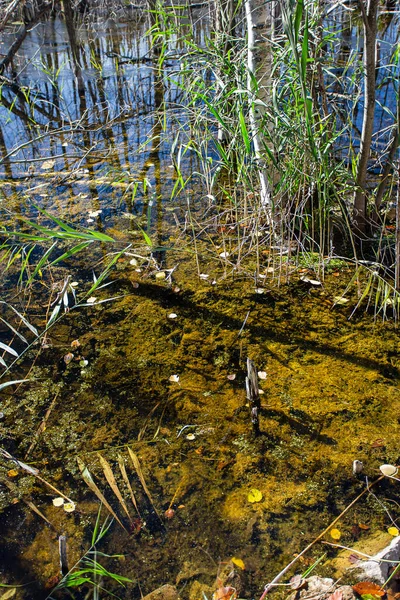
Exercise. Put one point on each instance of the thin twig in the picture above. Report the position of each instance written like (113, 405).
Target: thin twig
(270, 585)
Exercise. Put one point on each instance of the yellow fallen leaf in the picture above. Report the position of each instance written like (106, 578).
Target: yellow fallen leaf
(12, 473)
(238, 562)
(393, 531)
(335, 534)
(254, 495)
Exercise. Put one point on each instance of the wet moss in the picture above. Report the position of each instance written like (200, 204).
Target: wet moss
(330, 394)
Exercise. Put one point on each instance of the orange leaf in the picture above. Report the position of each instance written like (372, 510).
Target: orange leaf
(362, 526)
(367, 587)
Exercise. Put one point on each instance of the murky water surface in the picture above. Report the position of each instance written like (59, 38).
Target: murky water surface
(160, 369)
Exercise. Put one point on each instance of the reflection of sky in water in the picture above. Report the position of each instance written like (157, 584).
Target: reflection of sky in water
(103, 114)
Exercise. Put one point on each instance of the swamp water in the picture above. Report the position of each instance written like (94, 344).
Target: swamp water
(153, 371)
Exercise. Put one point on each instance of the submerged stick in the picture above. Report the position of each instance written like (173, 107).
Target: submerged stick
(253, 395)
(270, 585)
(62, 548)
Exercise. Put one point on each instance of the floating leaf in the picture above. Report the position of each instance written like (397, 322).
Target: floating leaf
(363, 526)
(254, 495)
(393, 531)
(224, 254)
(388, 470)
(69, 507)
(58, 501)
(364, 588)
(262, 374)
(174, 378)
(91, 300)
(161, 275)
(190, 437)
(238, 562)
(340, 300)
(75, 344)
(259, 290)
(47, 165)
(12, 473)
(335, 534)
(231, 377)
(172, 316)
(311, 281)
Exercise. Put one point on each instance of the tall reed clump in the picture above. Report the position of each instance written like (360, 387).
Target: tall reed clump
(308, 121)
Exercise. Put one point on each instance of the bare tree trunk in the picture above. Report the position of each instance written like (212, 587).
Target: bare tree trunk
(259, 70)
(369, 11)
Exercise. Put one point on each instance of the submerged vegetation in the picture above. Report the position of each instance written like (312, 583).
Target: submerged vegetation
(189, 191)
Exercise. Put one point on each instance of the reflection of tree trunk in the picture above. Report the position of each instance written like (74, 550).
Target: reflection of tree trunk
(70, 25)
(224, 24)
(45, 7)
(5, 159)
(369, 12)
(154, 159)
(8, 12)
(389, 160)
